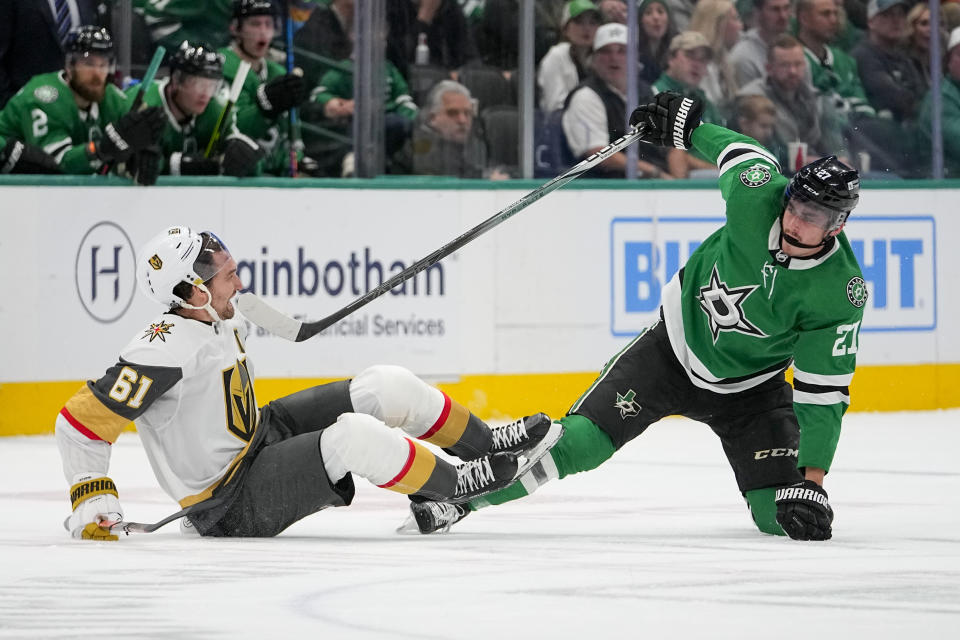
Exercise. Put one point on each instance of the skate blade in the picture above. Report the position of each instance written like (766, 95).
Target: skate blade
(534, 455)
(408, 526)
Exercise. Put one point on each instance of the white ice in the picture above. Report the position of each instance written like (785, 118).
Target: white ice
(656, 543)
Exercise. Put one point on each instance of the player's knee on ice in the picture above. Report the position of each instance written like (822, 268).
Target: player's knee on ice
(361, 444)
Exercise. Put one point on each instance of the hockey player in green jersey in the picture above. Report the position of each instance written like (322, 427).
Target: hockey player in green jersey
(268, 91)
(777, 285)
(76, 115)
(191, 100)
(17, 157)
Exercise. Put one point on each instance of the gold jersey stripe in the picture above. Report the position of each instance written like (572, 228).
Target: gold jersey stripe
(424, 462)
(87, 409)
(453, 427)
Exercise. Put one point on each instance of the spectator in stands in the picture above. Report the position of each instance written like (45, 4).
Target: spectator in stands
(328, 33)
(497, 36)
(448, 37)
(172, 21)
(833, 72)
(682, 13)
(799, 111)
(689, 55)
(916, 40)
(76, 115)
(749, 56)
(950, 96)
(613, 10)
(720, 24)
(565, 64)
(756, 116)
(656, 32)
(596, 111)
(268, 91)
(32, 37)
(445, 141)
(891, 81)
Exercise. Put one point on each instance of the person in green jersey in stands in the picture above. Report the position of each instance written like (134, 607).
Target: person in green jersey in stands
(268, 91)
(777, 285)
(76, 115)
(193, 100)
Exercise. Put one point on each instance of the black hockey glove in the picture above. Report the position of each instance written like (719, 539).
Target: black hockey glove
(804, 512)
(240, 157)
(669, 120)
(280, 94)
(145, 165)
(135, 130)
(195, 165)
(17, 157)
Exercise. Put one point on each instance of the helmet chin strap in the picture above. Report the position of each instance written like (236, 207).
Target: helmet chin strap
(204, 307)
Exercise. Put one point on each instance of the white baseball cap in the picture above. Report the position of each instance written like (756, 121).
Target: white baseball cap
(610, 33)
(954, 39)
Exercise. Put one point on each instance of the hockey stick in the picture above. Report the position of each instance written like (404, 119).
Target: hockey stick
(142, 527)
(235, 89)
(144, 85)
(278, 323)
(292, 138)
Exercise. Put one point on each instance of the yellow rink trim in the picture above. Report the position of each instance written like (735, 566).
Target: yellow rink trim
(28, 408)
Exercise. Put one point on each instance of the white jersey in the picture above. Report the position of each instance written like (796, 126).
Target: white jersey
(188, 387)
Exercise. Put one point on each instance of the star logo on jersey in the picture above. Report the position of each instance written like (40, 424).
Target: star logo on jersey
(857, 291)
(724, 307)
(46, 94)
(158, 330)
(755, 176)
(627, 405)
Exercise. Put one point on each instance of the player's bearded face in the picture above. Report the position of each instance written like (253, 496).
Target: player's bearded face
(224, 286)
(88, 77)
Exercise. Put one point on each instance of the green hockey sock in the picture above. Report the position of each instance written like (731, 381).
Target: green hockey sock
(763, 508)
(582, 447)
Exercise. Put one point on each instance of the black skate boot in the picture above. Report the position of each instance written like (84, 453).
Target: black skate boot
(433, 517)
(480, 477)
(531, 438)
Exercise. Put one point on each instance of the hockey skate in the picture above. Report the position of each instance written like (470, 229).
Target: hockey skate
(433, 517)
(531, 438)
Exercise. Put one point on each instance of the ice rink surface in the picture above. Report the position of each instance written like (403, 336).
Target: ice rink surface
(656, 543)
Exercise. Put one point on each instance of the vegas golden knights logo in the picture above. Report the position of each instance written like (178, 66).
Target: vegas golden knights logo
(155, 262)
(241, 405)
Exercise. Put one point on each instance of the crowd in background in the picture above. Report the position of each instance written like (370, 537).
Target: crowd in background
(805, 78)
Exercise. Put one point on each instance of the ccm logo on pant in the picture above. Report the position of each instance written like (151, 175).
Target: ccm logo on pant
(774, 453)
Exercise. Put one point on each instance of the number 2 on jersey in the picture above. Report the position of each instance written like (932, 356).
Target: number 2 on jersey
(845, 331)
(124, 386)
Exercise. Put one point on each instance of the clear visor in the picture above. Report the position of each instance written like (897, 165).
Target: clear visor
(201, 84)
(816, 214)
(208, 264)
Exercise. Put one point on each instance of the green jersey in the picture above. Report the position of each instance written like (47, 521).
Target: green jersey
(173, 21)
(666, 83)
(44, 113)
(837, 76)
(184, 138)
(337, 83)
(741, 311)
(250, 119)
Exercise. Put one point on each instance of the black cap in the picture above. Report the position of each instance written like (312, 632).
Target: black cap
(247, 8)
(828, 183)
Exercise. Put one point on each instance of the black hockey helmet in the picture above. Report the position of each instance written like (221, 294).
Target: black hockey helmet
(830, 186)
(197, 59)
(247, 8)
(84, 40)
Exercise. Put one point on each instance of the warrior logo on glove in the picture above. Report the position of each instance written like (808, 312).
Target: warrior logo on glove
(669, 120)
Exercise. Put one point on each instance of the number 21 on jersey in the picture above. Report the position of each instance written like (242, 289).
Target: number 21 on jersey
(848, 339)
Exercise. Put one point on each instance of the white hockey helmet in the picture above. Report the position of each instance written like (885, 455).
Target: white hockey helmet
(177, 254)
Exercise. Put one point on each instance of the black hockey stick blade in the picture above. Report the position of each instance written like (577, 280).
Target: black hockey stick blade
(280, 324)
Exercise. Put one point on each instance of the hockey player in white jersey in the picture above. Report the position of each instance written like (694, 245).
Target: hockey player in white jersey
(186, 381)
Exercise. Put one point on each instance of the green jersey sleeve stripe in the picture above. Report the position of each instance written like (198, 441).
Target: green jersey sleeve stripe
(58, 148)
(841, 380)
(833, 397)
(737, 152)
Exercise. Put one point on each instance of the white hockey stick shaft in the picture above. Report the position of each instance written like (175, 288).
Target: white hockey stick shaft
(280, 324)
(235, 89)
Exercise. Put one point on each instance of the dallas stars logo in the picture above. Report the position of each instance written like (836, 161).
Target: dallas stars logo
(755, 176)
(627, 405)
(158, 330)
(724, 307)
